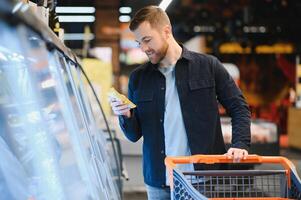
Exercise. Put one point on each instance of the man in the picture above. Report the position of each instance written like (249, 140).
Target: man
(176, 95)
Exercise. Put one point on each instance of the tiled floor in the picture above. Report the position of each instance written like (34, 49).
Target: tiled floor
(135, 196)
(293, 155)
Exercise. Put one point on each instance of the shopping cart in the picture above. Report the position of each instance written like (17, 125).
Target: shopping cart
(233, 184)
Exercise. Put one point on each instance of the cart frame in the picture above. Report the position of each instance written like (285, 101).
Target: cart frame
(290, 185)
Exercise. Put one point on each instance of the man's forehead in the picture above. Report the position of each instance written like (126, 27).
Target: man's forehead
(143, 32)
(143, 28)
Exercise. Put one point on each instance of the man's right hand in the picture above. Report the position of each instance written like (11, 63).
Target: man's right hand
(120, 108)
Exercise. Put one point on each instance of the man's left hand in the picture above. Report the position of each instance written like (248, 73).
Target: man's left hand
(237, 154)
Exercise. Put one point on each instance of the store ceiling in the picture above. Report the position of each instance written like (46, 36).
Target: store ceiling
(249, 22)
(244, 21)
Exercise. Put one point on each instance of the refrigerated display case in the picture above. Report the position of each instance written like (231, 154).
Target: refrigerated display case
(53, 143)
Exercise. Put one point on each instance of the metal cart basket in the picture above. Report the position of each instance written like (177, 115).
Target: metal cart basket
(233, 184)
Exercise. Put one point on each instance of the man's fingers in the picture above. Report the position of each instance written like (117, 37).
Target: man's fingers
(230, 153)
(116, 104)
(245, 154)
(123, 112)
(237, 154)
(112, 98)
(120, 107)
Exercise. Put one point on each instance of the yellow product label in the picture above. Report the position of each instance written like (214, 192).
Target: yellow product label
(114, 94)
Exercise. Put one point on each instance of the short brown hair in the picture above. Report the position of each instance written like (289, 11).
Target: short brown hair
(152, 14)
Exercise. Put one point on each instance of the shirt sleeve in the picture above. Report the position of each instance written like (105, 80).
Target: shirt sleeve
(131, 126)
(230, 96)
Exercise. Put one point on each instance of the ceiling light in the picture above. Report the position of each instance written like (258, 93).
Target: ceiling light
(197, 29)
(262, 29)
(164, 4)
(77, 18)
(124, 18)
(75, 10)
(125, 10)
(254, 29)
(204, 29)
(78, 36)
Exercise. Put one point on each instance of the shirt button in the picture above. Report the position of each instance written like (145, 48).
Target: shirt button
(162, 152)
(162, 88)
(161, 120)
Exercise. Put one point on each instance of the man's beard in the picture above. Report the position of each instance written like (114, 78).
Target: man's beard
(160, 54)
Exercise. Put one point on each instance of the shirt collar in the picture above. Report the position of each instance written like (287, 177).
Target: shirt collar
(185, 53)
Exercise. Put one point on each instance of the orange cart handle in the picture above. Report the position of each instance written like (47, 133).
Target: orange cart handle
(171, 162)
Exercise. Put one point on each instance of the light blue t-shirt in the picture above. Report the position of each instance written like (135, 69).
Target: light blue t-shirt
(176, 142)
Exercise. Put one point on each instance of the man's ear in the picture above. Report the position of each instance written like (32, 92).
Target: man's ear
(167, 30)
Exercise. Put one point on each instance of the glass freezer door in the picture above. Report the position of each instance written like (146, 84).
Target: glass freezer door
(46, 141)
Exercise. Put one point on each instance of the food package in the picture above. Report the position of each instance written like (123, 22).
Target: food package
(114, 94)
